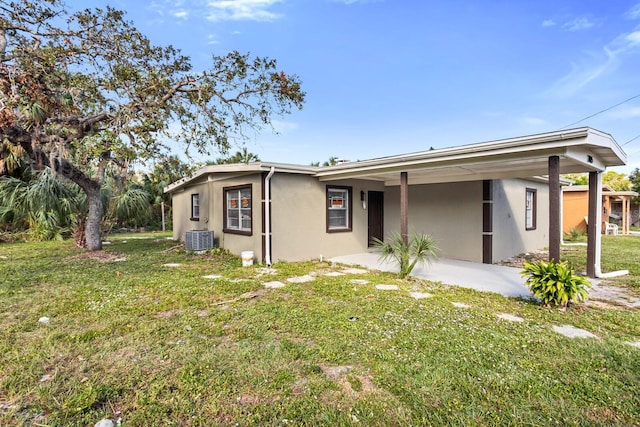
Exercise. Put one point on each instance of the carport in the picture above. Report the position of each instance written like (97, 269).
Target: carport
(544, 156)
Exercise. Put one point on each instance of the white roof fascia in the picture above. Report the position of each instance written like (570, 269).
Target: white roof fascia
(238, 169)
(552, 142)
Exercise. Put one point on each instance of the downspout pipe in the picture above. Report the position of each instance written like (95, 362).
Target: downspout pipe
(267, 216)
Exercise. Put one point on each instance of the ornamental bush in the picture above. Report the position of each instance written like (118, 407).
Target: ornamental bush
(422, 248)
(555, 282)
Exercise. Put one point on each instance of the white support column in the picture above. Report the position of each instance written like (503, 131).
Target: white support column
(594, 227)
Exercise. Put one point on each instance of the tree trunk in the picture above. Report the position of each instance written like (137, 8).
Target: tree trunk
(94, 217)
(91, 187)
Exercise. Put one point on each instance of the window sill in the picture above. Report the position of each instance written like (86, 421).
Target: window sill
(339, 230)
(240, 232)
(194, 219)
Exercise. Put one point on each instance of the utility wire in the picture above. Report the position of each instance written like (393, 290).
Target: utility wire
(632, 139)
(603, 111)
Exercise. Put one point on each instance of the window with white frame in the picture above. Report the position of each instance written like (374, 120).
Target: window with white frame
(338, 209)
(238, 210)
(195, 207)
(530, 209)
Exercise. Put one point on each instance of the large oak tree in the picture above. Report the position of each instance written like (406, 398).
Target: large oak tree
(81, 90)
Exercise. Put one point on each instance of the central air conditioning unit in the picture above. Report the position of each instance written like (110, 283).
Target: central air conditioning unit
(198, 240)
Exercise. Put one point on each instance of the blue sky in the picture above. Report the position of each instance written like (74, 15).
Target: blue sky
(386, 77)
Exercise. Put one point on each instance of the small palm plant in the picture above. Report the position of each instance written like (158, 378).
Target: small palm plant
(422, 248)
(554, 282)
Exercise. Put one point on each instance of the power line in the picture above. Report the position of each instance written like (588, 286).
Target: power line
(632, 139)
(603, 111)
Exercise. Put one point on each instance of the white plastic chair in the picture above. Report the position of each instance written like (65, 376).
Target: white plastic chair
(610, 228)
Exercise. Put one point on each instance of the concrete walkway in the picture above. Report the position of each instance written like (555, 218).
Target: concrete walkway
(482, 277)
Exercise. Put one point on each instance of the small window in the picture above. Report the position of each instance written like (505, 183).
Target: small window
(238, 212)
(530, 209)
(195, 207)
(338, 209)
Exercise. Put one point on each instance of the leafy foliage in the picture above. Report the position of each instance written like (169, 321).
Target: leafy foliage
(422, 248)
(48, 206)
(616, 180)
(38, 202)
(85, 90)
(634, 178)
(243, 156)
(555, 282)
(578, 178)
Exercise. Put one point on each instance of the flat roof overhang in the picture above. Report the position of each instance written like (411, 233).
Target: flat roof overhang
(230, 171)
(580, 150)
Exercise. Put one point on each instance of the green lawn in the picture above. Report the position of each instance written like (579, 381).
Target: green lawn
(130, 338)
(618, 253)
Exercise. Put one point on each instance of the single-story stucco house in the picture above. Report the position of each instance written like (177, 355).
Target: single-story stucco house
(482, 202)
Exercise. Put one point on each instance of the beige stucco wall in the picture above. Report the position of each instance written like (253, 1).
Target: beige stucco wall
(237, 243)
(298, 217)
(451, 213)
(298, 211)
(212, 213)
(181, 208)
(509, 234)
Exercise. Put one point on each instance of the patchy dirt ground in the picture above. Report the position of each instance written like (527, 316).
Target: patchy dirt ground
(100, 256)
(604, 294)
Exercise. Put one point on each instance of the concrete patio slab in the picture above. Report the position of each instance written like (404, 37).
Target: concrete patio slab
(482, 277)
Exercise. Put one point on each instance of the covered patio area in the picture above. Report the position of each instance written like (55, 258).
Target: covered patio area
(543, 157)
(481, 277)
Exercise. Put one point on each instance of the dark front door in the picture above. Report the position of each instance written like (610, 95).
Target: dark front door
(376, 215)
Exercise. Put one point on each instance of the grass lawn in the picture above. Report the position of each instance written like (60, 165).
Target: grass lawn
(131, 338)
(618, 253)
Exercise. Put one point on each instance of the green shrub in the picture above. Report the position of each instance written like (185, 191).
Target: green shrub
(555, 282)
(574, 235)
(422, 248)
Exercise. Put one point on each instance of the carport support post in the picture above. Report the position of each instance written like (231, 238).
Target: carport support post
(554, 208)
(404, 207)
(594, 217)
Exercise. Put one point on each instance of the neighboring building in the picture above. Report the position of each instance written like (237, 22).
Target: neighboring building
(616, 209)
(482, 202)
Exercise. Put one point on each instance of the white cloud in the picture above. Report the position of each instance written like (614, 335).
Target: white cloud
(578, 24)
(180, 13)
(532, 121)
(212, 39)
(548, 23)
(351, 1)
(627, 112)
(634, 12)
(581, 75)
(241, 10)
(597, 65)
(284, 127)
(624, 43)
(633, 38)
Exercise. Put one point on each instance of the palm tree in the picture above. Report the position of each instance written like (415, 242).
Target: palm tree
(48, 207)
(243, 156)
(41, 203)
(422, 248)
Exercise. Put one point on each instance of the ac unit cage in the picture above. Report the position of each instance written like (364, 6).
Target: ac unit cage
(200, 240)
